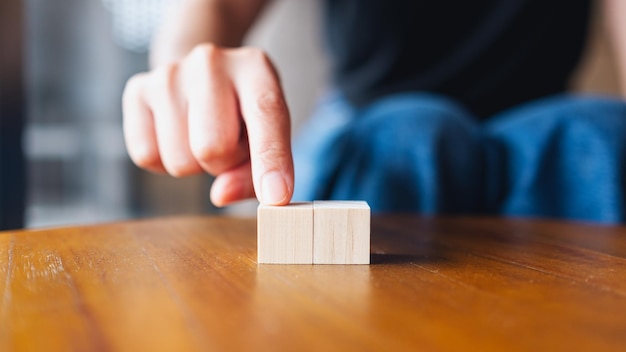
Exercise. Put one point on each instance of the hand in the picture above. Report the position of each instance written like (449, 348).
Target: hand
(216, 110)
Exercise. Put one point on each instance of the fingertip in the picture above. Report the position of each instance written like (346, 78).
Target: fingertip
(275, 190)
(232, 186)
(221, 191)
(217, 196)
(226, 192)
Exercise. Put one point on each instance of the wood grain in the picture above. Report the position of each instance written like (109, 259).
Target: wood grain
(341, 232)
(285, 234)
(193, 284)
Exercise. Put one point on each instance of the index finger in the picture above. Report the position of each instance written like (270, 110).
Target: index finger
(266, 117)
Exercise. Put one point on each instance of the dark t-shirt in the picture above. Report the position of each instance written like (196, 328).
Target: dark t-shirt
(487, 54)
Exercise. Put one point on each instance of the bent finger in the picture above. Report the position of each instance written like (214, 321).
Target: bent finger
(215, 126)
(138, 125)
(170, 120)
(232, 186)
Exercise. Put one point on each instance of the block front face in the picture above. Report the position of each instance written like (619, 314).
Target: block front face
(285, 234)
(341, 232)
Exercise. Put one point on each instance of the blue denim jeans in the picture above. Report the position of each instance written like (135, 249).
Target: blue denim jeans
(561, 157)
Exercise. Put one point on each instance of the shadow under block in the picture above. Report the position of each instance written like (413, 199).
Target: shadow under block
(322, 232)
(341, 232)
(285, 234)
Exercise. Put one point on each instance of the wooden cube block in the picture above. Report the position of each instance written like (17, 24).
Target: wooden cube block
(341, 232)
(285, 234)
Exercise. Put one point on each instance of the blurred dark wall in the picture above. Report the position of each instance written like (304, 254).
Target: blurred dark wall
(77, 166)
(76, 68)
(12, 112)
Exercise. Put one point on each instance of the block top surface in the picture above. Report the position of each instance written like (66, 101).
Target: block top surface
(342, 204)
(296, 205)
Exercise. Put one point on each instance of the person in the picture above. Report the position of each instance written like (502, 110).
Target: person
(436, 107)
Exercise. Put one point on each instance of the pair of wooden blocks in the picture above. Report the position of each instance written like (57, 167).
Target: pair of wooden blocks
(320, 232)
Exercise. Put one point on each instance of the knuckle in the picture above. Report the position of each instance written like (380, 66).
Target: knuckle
(214, 150)
(205, 51)
(270, 103)
(180, 168)
(272, 152)
(217, 156)
(145, 158)
(200, 67)
(208, 151)
(204, 48)
(177, 171)
(253, 53)
(133, 87)
(164, 79)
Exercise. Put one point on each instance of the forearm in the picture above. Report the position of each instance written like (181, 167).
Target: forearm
(615, 17)
(192, 22)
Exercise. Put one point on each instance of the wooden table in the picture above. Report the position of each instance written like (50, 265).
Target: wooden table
(192, 283)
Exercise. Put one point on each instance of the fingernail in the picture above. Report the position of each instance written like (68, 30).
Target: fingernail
(273, 188)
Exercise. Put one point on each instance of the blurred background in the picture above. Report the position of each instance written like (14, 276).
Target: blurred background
(77, 56)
